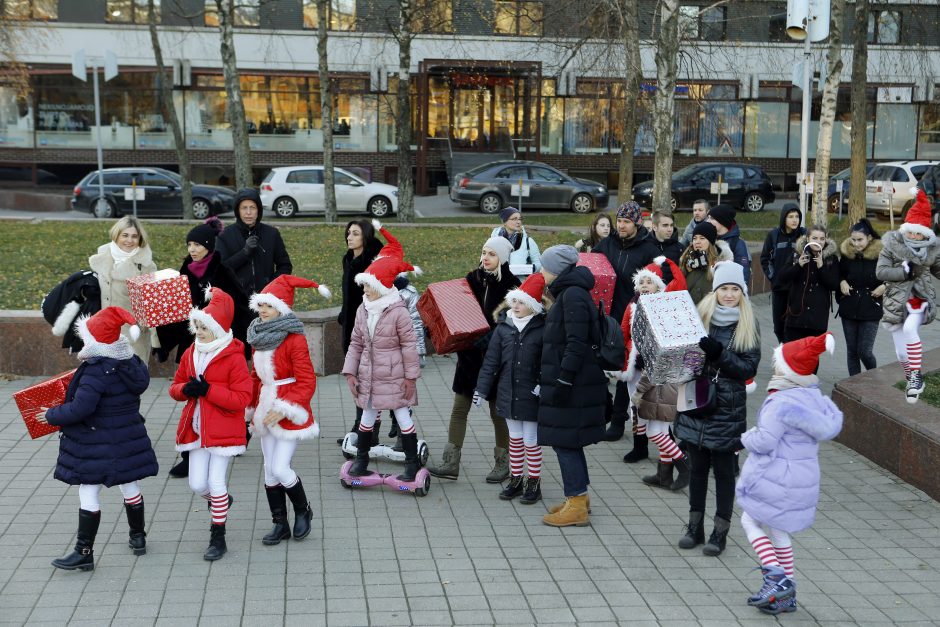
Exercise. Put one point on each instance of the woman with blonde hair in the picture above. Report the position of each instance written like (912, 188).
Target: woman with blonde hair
(732, 352)
(126, 256)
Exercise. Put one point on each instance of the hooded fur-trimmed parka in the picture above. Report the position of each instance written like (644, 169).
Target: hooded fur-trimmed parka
(858, 270)
(810, 288)
(901, 286)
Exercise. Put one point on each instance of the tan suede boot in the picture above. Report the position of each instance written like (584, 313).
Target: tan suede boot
(554, 509)
(574, 513)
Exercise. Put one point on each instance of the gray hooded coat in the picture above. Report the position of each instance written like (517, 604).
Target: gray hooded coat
(901, 286)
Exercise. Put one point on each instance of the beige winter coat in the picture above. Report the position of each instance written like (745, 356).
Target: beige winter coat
(113, 283)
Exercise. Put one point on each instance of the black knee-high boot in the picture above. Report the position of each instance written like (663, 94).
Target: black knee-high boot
(277, 501)
(82, 558)
(137, 538)
(302, 511)
(360, 465)
(409, 442)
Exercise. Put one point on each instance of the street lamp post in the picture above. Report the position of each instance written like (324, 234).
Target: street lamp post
(80, 71)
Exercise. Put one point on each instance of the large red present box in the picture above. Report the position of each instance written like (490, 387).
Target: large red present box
(604, 278)
(31, 400)
(452, 315)
(160, 298)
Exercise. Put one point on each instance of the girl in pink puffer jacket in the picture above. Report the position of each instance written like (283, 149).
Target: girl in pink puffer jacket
(382, 365)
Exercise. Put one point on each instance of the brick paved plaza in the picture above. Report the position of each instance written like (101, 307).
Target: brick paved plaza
(459, 555)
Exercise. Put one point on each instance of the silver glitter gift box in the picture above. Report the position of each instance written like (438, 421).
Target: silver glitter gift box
(666, 331)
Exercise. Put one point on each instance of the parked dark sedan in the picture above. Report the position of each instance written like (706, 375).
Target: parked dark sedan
(159, 194)
(749, 187)
(494, 185)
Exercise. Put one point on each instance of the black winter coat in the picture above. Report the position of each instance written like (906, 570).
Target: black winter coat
(352, 293)
(269, 261)
(627, 256)
(810, 288)
(490, 293)
(571, 416)
(858, 269)
(718, 431)
(513, 361)
(103, 439)
(779, 247)
(81, 288)
(217, 275)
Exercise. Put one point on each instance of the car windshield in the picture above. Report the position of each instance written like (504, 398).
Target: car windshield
(686, 171)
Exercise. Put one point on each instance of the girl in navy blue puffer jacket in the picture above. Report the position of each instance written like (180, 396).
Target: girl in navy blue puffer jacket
(103, 439)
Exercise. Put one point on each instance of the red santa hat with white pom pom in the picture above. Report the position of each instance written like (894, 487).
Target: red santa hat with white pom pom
(919, 216)
(388, 264)
(217, 315)
(105, 326)
(801, 357)
(279, 293)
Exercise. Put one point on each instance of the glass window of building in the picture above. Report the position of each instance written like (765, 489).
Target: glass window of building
(518, 17)
(245, 14)
(842, 123)
(16, 119)
(705, 24)
(777, 28)
(895, 131)
(688, 22)
(31, 9)
(884, 27)
(929, 132)
(341, 14)
(433, 16)
(131, 11)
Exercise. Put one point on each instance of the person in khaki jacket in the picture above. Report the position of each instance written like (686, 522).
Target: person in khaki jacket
(126, 256)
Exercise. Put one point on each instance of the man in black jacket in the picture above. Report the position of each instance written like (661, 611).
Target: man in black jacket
(778, 252)
(253, 251)
(629, 249)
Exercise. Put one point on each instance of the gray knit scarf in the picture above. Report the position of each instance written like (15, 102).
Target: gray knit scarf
(725, 316)
(265, 336)
(121, 349)
(918, 248)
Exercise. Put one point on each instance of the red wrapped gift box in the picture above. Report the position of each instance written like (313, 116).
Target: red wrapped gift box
(604, 277)
(31, 400)
(160, 298)
(452, 315)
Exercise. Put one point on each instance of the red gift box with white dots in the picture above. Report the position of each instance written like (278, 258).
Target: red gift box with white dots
(160, 298)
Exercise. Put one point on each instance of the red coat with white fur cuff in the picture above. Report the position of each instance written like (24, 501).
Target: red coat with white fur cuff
(221, 411)
(274, 390)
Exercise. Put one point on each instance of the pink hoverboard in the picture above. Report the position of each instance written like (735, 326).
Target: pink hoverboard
(419, 486)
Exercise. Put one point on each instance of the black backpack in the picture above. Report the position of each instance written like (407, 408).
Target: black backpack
(609, 347)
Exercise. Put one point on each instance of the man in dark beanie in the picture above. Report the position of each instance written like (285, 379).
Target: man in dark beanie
(722, 217)
(253, 251)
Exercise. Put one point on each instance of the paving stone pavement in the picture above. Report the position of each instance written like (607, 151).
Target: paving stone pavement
(458, 555)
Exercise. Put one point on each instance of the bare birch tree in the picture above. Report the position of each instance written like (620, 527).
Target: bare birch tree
(326, 111)
(169, 113)
(403, 131)
(628, 12)
(859, 133)
(664, 103)
(235, 109)
(827, 115)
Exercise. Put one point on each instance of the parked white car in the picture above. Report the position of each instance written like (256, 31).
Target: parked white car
(299, 189)
(892, 182)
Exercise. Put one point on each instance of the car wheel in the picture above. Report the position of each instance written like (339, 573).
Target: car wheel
(285, 207)
(673, 203)
(379, 207)
(582, 203)
(833, 204)
(201, 208)
(754, 202)
(491, 203)
(103, 208)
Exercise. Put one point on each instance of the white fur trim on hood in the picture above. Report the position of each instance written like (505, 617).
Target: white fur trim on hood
(65, 318)
(364, 278)
(525, 299)
(269, 299)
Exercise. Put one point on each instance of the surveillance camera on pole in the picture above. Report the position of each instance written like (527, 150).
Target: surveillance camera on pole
(807, 21)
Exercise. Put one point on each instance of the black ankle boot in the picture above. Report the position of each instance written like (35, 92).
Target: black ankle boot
(409, 442)
(515, 488)
(82, 558)
(694, 531)
(685, 473)
(217, 547)
(137, 538)
(640, 449)
(302, 512)
(277, 501)
(533, 491)
(718, 539)
(360, 465)
(181, 469)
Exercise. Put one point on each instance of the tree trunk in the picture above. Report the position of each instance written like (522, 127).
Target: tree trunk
(403, 130)
(667, 49)
(326, 113)
(235, 109)
(828, 114)
(859, 112)
(630, 32)
(169, 114)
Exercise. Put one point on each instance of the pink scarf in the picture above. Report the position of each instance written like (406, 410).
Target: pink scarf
(198, 268)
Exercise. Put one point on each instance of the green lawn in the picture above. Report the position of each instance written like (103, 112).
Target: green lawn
(931, 395)
(37, 256)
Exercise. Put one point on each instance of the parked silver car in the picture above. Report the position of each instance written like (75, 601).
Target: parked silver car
(495, 185)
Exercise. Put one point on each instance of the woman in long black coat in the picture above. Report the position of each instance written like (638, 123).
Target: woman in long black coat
(859, 295)
(810, 278)
(103, 439)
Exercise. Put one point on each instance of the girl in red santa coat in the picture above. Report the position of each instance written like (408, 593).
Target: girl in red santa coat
(382, 364)
(213, 379)
(284, 383)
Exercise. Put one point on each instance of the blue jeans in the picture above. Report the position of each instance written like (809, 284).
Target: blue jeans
(574, 470)
(860, 344)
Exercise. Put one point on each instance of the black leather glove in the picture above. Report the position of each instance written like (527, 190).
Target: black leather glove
(195, 388)
(711, 347)
(251, 245)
